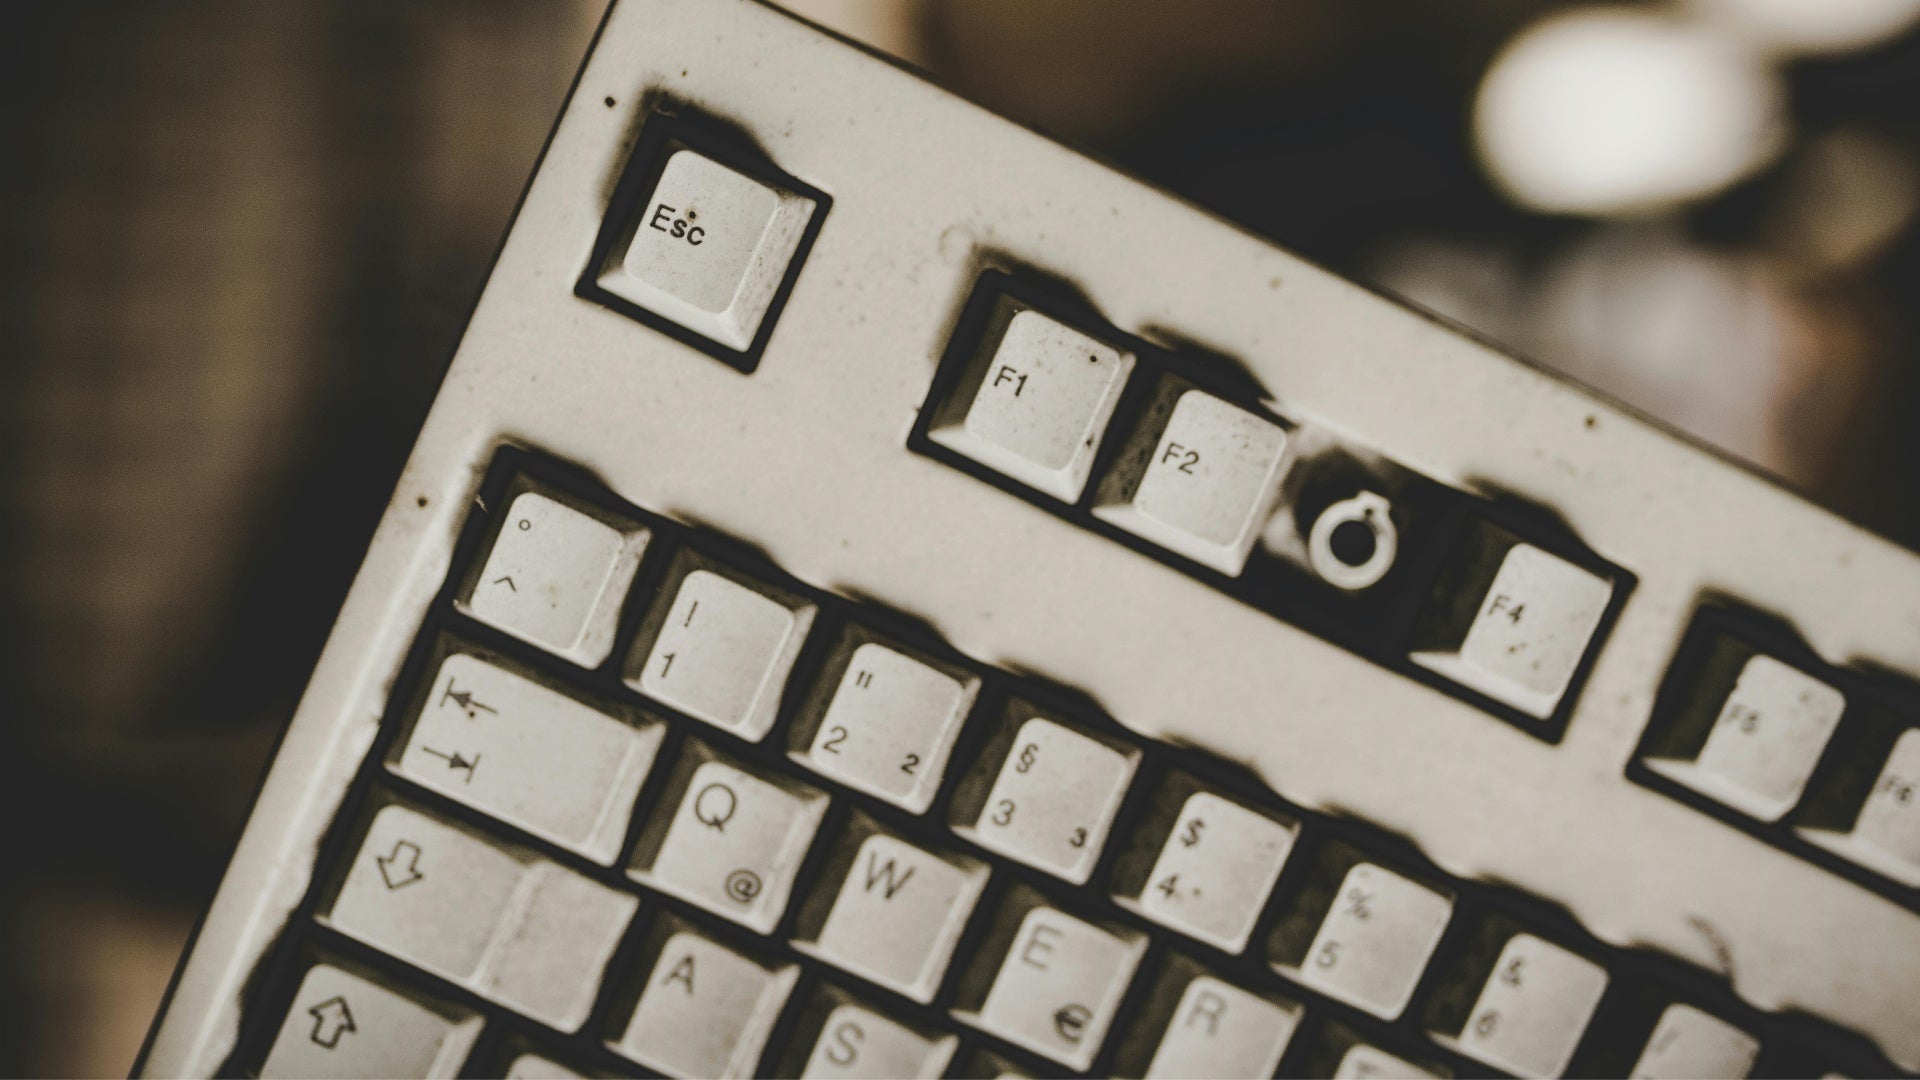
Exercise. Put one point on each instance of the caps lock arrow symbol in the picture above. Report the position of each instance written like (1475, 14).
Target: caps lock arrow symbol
(331, 1019)
(390, 871)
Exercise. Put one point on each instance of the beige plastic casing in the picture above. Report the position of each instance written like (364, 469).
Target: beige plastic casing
(807, 458)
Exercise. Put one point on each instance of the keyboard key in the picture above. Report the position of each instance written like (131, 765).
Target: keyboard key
(710, 248)
(1366, 1062)
(1690, 1043)
(1196, 1025)
(1333, 1049)
(556, 576)
(536, 1067)
(721, 650)
(1054, 796)
(1371, 936)
(1034, 403)
(346, 1025)
(1056, 980)
(857, 1042)
(532, 756)
(705, 1010)
(1512, 621)
(891, 912)
(728, 839)
(1214, 865)
(1200, 478)
(1767, 734)
(1533, 1006)
(1884, 834)
(506, 924)
(883, 720)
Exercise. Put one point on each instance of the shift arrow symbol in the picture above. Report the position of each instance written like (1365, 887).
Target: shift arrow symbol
(392, 872)
(331, 1019)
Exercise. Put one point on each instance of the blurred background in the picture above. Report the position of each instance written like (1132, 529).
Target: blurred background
(241, 240)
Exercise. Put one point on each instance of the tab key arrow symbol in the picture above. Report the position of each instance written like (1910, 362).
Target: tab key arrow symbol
(392, 872)
(331, 1019)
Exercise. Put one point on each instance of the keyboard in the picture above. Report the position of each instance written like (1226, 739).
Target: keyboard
(881, 594)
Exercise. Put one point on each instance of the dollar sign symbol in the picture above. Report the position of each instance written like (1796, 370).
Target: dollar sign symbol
(1192, 835)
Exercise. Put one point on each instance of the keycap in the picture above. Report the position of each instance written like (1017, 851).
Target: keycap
(1200, 478)
(536, 1067)
(504, 923)
(1034, 404)
(1214, 1028)
(1057, 980)
(1885, 832)
(710, 248)
(1765, 740)
(1213, 870)
(1531, 1010)
(342, 1024)
(1330, 1048)
(556, 576)
(728, 839)
(1518, 635)
(1690, 1043)
(530, 755)
(1363, 1061)
(886, 722)
(705, 1010)
(1053, 799)
(890, 911)
(1371, 936)
(721, 649)
(855, 1042)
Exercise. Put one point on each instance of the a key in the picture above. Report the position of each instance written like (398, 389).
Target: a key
(886, 723)
(855, 1042)
(709, 248)
(1330, 1048)
(721, 649)
(1532, 1008)
(504, 923)
(1364, 1061)
(343, 1024)
(728, 839)
(1766, 736)
(1213, 1028)
(1214, 863)
(1512, 621)
(556, 576)
(1053, 799)
(1035, 402)
(1200, 478)
(536, 1067)
(1371, 935)
(705, 1010)
(1689, 1043)
(1884, 833)
(1056, 980)
(891, 912)
(503, 743)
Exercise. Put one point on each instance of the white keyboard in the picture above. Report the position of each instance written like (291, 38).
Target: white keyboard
(880, 594)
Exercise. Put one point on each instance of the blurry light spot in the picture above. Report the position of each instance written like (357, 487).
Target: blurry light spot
(1605, 111)
(1848, 195)
(1814, 26)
